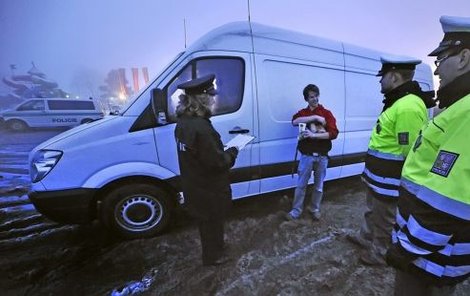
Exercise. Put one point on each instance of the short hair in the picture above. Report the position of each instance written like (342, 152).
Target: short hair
(310, 88)
(194, 105)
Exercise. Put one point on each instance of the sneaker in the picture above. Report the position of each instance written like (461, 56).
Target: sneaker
(289, 217)
(372, 259)
(357, 239)
(316, 216)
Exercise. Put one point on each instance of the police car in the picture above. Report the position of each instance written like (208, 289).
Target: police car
(50, 112)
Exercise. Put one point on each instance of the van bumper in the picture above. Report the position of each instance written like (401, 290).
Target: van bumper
(65, 206)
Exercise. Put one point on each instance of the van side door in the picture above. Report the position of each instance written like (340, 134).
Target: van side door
(281, 81)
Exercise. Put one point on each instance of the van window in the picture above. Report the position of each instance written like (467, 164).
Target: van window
(34, 105)
(230, 75)
(70, 105)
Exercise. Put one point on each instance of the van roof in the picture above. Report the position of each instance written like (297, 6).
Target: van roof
(236, 36)
(268, 40)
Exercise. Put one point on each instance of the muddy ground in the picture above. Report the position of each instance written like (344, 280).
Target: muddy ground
(271, 256)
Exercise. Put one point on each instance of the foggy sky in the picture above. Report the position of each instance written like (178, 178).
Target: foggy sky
(76, 42)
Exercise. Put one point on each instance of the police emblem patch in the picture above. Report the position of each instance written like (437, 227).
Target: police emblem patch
(444, 162)
(403, 138)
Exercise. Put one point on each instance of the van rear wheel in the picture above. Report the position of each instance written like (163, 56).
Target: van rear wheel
(17, 125)
(136, 210)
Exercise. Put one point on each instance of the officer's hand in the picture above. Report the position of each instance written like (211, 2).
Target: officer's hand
(233, 151)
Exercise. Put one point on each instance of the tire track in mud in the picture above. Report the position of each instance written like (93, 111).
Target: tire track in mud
(20, 223)
(247, 279)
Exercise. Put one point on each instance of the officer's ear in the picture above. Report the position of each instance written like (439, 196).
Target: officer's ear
(464, 60)
(397, 77)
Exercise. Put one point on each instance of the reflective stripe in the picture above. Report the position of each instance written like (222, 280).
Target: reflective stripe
(384, 180)
(438, 201)
(457, 249)
(384, 155)
(409, 246)
(400, 220)
(438, 270)
(394, 236)
(388, 192)
(412, 187)
(429, 266)
(447, 250)
(425, 235)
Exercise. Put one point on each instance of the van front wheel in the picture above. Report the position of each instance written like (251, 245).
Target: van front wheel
(136, 210)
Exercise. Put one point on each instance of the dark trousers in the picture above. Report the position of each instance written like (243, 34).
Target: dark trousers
(212, 239)
(407, 284)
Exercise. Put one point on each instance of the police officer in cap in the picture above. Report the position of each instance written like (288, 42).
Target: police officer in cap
(431, 237)
(404, 113)
(204, 166)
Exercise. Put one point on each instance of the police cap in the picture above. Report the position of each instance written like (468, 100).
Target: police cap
(456, 33)
(204, 84)
(391, 62)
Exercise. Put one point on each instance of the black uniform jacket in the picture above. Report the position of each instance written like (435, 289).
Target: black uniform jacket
(204, 167)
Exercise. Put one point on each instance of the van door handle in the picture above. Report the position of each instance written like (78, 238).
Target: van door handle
(239, 130)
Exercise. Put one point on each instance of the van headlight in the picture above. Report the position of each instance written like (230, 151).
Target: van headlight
(43, 162)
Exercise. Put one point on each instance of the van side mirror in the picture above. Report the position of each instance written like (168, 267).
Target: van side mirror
(158, 106)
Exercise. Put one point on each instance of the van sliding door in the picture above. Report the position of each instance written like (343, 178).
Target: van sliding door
(280, 85)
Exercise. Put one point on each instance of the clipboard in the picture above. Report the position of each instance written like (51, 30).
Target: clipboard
(239, 141)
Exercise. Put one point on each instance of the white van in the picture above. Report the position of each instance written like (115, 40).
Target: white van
(123, 170)
(50, 112)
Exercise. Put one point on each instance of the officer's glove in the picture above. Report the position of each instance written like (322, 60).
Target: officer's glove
(233, 151)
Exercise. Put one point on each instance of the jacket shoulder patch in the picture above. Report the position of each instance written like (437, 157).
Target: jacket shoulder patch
(444, 162)
(403, 138)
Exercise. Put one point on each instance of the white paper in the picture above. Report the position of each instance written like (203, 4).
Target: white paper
(239, 141)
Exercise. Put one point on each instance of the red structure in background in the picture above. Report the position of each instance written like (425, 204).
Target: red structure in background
(135, 77)
(145, 73)
(122, 81)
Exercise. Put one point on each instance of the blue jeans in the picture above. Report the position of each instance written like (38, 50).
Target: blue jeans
(307, 164)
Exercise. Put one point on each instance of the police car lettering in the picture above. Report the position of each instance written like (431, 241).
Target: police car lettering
(64, 120)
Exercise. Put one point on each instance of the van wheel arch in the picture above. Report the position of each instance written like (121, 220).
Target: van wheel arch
(86, 120)
(136, 209)
(16, 125)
